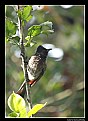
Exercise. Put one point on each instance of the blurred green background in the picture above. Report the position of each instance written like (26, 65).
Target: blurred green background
(62, 85)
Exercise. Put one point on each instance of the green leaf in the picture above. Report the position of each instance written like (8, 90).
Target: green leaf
(28, 18)
(35, 109)
(15, 38)
(23, 113)
(10, 28)
(13, 114)
(39, 29)
(26, 12)
(47, 32)
(16, 103)
(27, 44)
(34, 30)
(47, 23)
(30, 42)
(27, 38)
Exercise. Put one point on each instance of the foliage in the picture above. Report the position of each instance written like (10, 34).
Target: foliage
(17, 104)
(10, 28)
(36, 30)
(25, 15)
(62, 85)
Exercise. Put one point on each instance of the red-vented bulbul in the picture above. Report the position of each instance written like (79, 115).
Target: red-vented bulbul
(35, 68)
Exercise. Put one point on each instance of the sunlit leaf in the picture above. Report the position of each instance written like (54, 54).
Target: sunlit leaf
(35, 109)
(13, 114)
(30, 44)
(23, 113)
(47, 23)
(16, 103)
(27, 44)
(34, 30)
(10, 28)
(27, 38)
(39, 29)
(26, 12)
(28, 18)
(47, 32)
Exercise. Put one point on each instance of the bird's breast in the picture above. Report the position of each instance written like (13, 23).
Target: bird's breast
(35, 66)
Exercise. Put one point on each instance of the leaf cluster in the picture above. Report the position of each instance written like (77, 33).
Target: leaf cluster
(25, 15)
(18, 106)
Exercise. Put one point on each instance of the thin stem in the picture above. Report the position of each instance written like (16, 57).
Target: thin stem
(28, 96)
(16, 44)
(24, 61)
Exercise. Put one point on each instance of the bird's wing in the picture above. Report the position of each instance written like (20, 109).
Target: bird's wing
(41, 74)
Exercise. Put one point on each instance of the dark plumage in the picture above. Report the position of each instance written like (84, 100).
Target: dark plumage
(35, 68)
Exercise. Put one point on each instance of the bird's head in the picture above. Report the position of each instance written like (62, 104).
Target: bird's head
(42, 51)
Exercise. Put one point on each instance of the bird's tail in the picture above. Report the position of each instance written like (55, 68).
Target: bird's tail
(22, 89)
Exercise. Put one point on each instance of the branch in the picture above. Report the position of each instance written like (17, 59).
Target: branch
(24, 60)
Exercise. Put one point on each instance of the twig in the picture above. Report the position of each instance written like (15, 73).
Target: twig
(24, 61)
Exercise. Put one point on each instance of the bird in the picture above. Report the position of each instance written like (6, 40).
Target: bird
(35, 68)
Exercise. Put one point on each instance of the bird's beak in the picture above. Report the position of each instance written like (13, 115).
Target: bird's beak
(49, 50)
